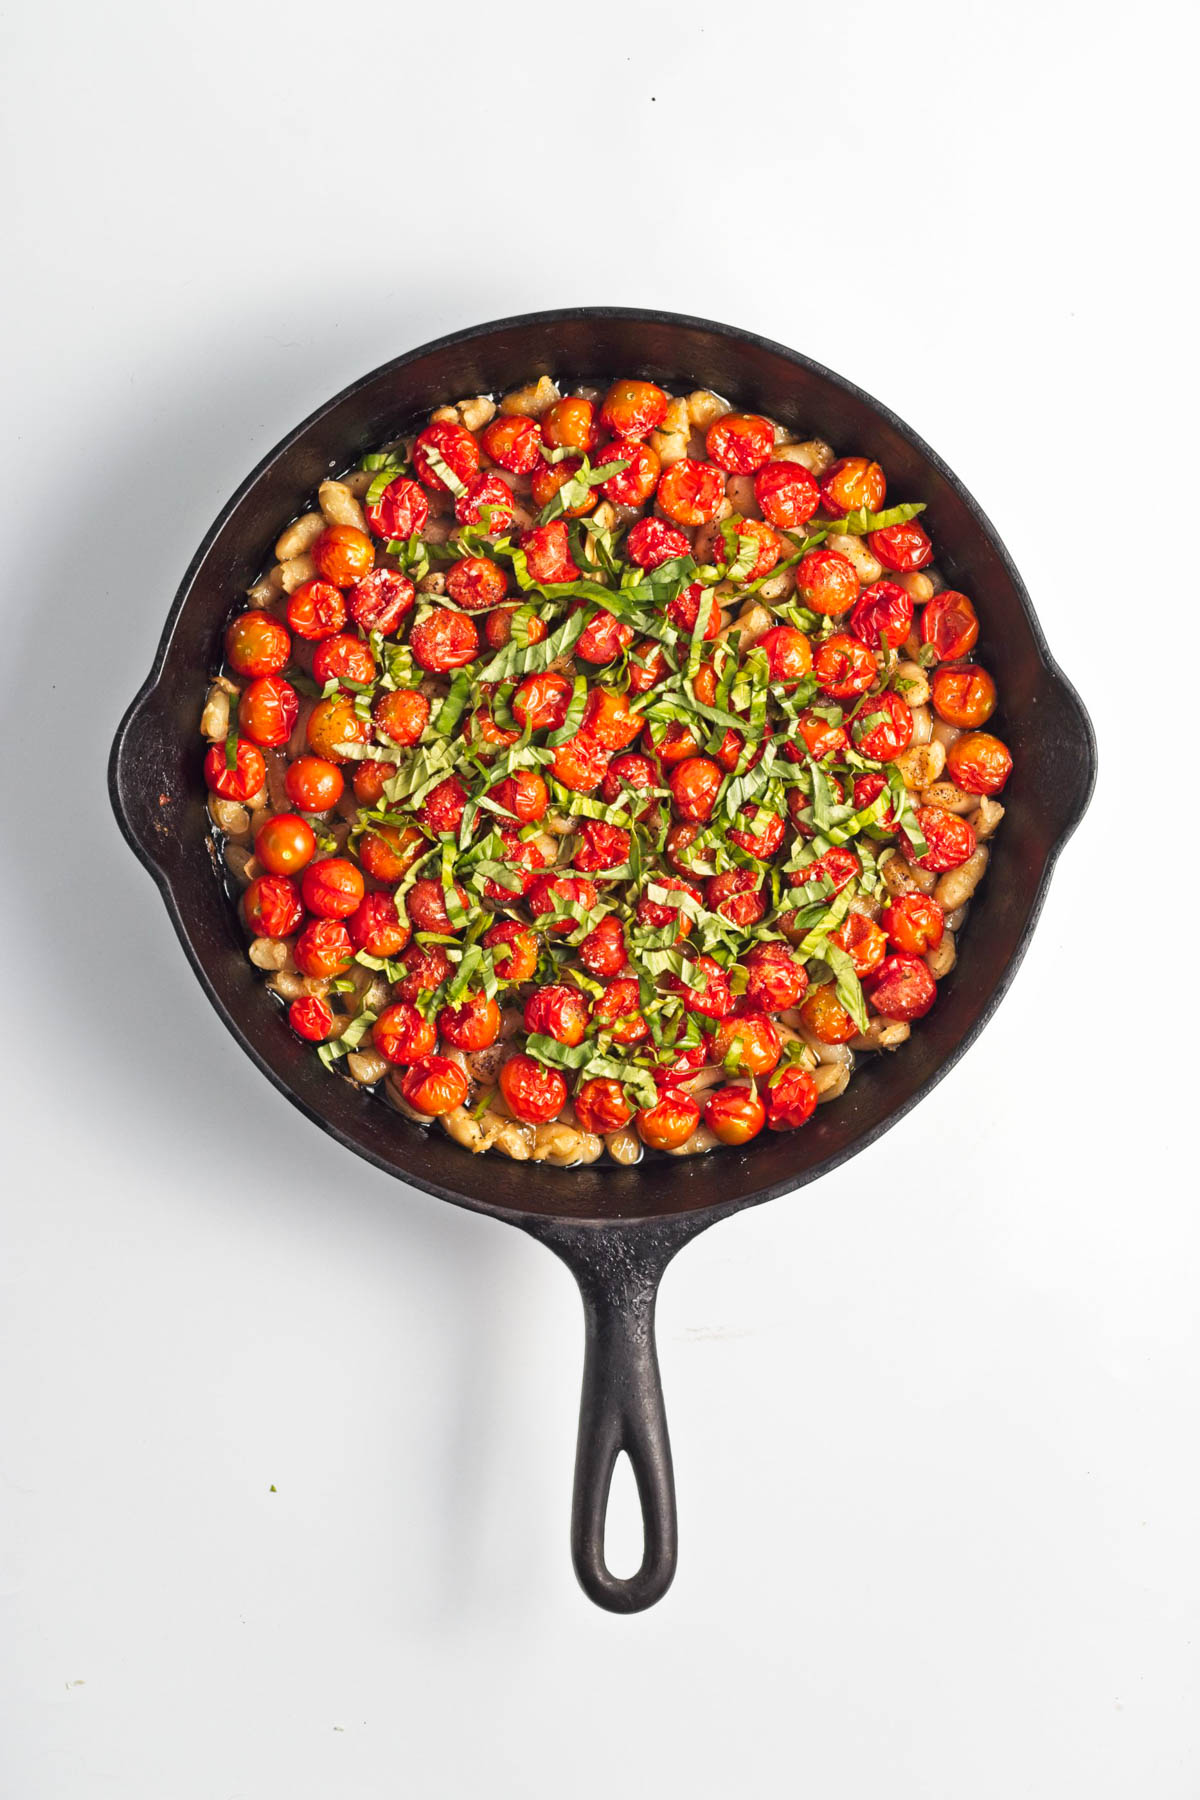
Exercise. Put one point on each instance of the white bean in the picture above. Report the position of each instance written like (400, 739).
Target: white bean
(944, 733)
(922, 724)
(814, 455)
(948, 797)
(942, 958)
(868, 568)
(295, 571)
(881, 1034)
(366, 1067)
(915, 691)
(957, 886)
(832, 1079)
(624, 1146)
(918, 585)
(214, 720)
(739, 491)
(532, 400)
(268, 590)
(268, 953)
(704, 407)
(229, 816)
(564, 1145)
(921, 766)
(702, 1139)
(299, 536)
(986, 819)
(339, 506)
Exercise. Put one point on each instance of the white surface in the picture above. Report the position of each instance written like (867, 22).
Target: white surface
(934, 1420)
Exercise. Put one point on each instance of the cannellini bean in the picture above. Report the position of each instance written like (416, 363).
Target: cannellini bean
(752, 623)
(287, 984)
(366, 1067)
(391, 1088)
(564, 1145)
(299, 536)
(670, 446)
(358, 481)
(824, 1053)
(921, 766)
(267, 953)
(444, 415)
(474, 1134)
(868, 568)
(832, 1079)
(947, 796)
(900, 877)
(777, 587)
(959, 884)
(624, 1146)
(814, 455)
(942, 958)
(702, 1139)
(944, 733)
(484, 1065)
(433, 583)
(711, 1076)
(229, 816)
(237, 856)
(703, 407)
(258, 800)
(268, 590)
(881, 1034)
(739, 491)
(214, 720)
(954, 920)
(922, 724)
(986, 819)
(917, 583)
(558, 824)
(296, 571)
(476, 413)
(605, 515)
(532, 400)
(339, 506)
(915, 692)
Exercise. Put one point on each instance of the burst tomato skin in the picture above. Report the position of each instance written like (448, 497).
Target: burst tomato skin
(403, 1035)
(735, 1114)
(670, 1121)
(767, 836)
(388, 852)
(316, 610)
(455, 446)
(740, 443)
(660, 914)
(514, 443)
(633, 409)
(434, 1086)
(257, 643)
(963, 696)
(904, 548)
(854, 482)
(240, 782)
(843, 666)
(524, 859)
(950, 623)
(541, 701)
(343, 555)
(618, 1010)
(323, 950)
(401, 511)
(684, 610)
(603, 951)
(677, 743)
(548, 553)
(652, 542)
(343, 658)
(863, 942)
(787, 494)
(884, 728)
(268, 710)
(788, 652)
(376, 928)
(902, 987)
(486, 491)
(580, 763)
(607, 718)
(690, 492)
(547, 893)
(285, 845)
(332, 726)
(746, 1045)
(514, 950)
(776, 981)
(821, 738)
(401, 715)
(497, 628)
(443, 640)
(883, 615)
(311, 1019)
(979, 762)
(601, 846)
(707, 991)
(473, 1024)
(867, 788)
(313, 784)
(425, 967)
(571, 421)
(951, 839)
(427, 908)
(632, 771)
(532, 1091)
(792, 1101)
(558, 1011)
(332, 887)
(381, 601)
(695, 783)
(838, 866)
(550, 478)
(633, 485)
(523, 795)
(647, 666)
(914, 923)
(826, 1018)
(271, 906)
(826, 582)
(442, 809)
(603, 638)
(601, 1106)
(737, 895)
(476, 583)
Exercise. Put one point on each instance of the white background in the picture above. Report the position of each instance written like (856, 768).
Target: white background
(935, 1418)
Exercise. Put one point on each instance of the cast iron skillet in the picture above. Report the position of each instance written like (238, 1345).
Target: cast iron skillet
(615, 1228)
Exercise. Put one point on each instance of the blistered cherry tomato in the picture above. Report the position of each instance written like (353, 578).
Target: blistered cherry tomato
(854, 483)
(388, 852)
(826, 582)
(427, 908)
(867, 788)
(788, 652)
(963, 696)
(532, 1091)
(735, 1114)
(403, 1035)
(313, 784)
(488, 503)
(690, 492)
(343, 658)
(332, 887)
(271, 906)
(679, 1061)
(476, 583)
(555, 892)
(652, 542)
(434, 1086)
(523, 795)
(883, 729)
(624, 772)
(267, 711)
(634, 484)
(768, 548)
(425, 967)
(662, 913)
(684, 610)
(514, 950)
(333, 726)
(401, 715)
(904, 548)
(471, 1024)
(800, 808)
(862, 941)
(670, 1121)
(677, 742)
(579, 764)
(570, 421)
(838, 866)
(548, 553)
(705, 990)
(902, 987)
(951, 839)
(824, 1017)
(380, 601)
(368, 777)
(343, 554)
(844, 666)
(601, 1106)
(541, 701)
(453, 445)
(311, 1019)
(522, 858)
(775, 980)
(558, 1011)
(603, 951)
(600, 846)
(401, 511)
(244, 779)
(914, 922)
(376, 928)
(791, 1099)
(285, 845)
(607, 718)
(883, 615)
(822, 738)
(316, 610)
(740, 443)
(787, 494)
(979, 762)
(323, 950)
(618, 1011)
(695, 784)
(633, 408)
(513, 442)
(443, 640)
(737, 895)
(766, 836)
(550, 478)
(746, 1045)
(603, 638)
(949, 622)
(256, 643)
(498, 627)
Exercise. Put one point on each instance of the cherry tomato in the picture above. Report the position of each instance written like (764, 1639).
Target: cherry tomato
(579, 764)
(426, 903)
(376, 928)
(844, 666)
(979, 762)
(571, 421)
(737, 895)
(950, 624)
(443, 640)
(484, 733)
(603, 951)
(553, 893)
(240, 782)
(267, 711)
(343, 658)
(735, 1114)
(524, 859)
(963, 696)
(661, 913)
(837, 867)
(853, 483)
(541, 701)
(766, 837)
(513, 442)
(311, 1019)
(607, 718)
(425, 967)
(453, 445)
(677, 742)
(434, 1086)
(746, 1045)
(706, 990)
(684, 610)
(690, 492)
(904, 548)
(472, 1024)
(633, 485)
(868, 788)
(313, 784)
(401, 715)
(497, 627)
(788, 652)
(826, 582)
(822, 738)
(884, 615)
(514, 950)
(476, 583)
(632, 409)
(316, 610)
(902, 987)
(401, 511)
(695, 783)
(332, 887)
(824, 1017)
(403, 1035)
(799, 805)
(951, 840)
(388, 852)
(883, 729)
(624, 772)
(862, 941)
(792, 1100)
(769, 549)
(380, 601)
(532, 1091)
(523, 796)
(775, 980)
(256, 643)
(740, 443)
(618, 1011)
(550, 478)
(914, 923)
(548, 556)
(368, 777)
(787, 494)
(652, 542)
(333, 726)
(343, 555)
(603, 638)
(600, 846)
(323, 950)
(647, 666)
(670, 1121)
(271, 906)
(601, 1106)
(285, 845)
(558, 1011)
(488, 503)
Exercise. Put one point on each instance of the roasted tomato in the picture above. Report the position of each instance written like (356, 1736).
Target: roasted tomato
(601, 1106)
(313, 784)
(951, 839)
(826, 582)
(442, 809)
(571, 422)
(514, 950)
(522, 795)
(401, 715)
(904, 548)
(524, 859)
(746, 1045)
(766, 837)
(632, 409)
(822, 737)
(388, 852)
(271, 906)
(332, 887)
(452, 445)
(311, 1019)
(323, 950)
(443, 640)
(706, 989)
(343, 555)
(425, 967)
(603, 951)
(548, 553)
(498, 627)
(775, 980)
(556, 893)
(514, 443)
(486, 502)
(767, 549)
(684, 610)
(560, 1012)
(402, 1034)
(883, 728)
(532, 1091)
(316, 610)
(867, 788)
(949, 623)
(914, 923)
(902, 987)
(428, 904)
(401, 511)
(825, 1018)
(550, 478)
(541, 701)
(735, 1114)
(600, 846)
(670, 1121)
(740, 443)
(618, 1011)
(434, 1086)
(695, 784)
(737, 895)
(256, 643)
(634, 484)
(963, 696)
(607, 718)
(579, 764)
(787, 494)
(862, 941)
(635, 771)
(690, 492)
(381, 601)
(791, 1099)
(837, 866)
(285, 845)
(603, 638)
(334, 727)
(267, 711)
(884, 615)
(844, 666)
(800, 805)
(652, 542)
(376, 928)
(854, 483)
(244, 779)
(788, 652)
(977, 762)
(476, 583)
(472, 1024)
(662, 913)
(647, 666)
(677, 742)
(343, 658)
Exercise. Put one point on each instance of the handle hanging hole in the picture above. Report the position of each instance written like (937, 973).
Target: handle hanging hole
(624, 1543)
